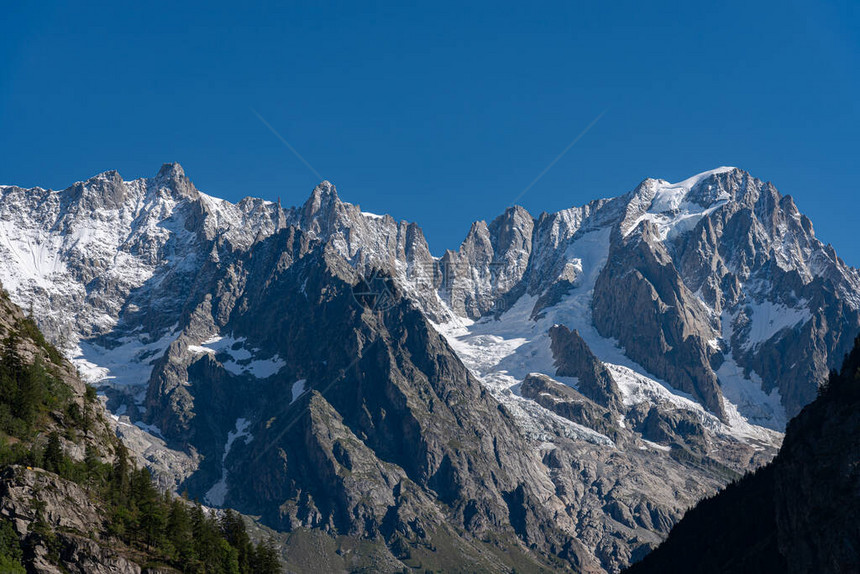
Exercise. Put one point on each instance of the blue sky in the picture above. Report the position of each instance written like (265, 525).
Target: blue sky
(440, 114)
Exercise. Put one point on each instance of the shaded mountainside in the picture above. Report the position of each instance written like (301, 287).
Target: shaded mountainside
(555, 393)
(372, 429)
(798, 513)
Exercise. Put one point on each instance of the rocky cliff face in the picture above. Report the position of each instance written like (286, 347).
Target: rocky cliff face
(798, 514)
(28, 496)
(641, 300)
(489, 265)
(574, 358)
(598, 371)
(359, 421)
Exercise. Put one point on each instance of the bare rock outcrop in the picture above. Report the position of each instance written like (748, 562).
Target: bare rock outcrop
(573, 358)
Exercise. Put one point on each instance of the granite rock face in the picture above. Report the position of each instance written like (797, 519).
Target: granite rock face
(390, 436)
(641, 300)
(569, 403)
(27, 495)
(489, 265)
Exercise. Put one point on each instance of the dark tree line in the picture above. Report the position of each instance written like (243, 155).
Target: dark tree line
(180, 532)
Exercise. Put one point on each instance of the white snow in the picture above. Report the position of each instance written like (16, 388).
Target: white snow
(151, 429)
(31, 254)
(671, 210)
(691, 182)
(241, 360)
(746, 392)
(216, 495)
(297, 389)
(128, 364)
(751, 402)
(656, 446)
(502, 352)
(768, 318)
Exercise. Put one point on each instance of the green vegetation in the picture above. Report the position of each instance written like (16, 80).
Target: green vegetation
(29, 391)
(164, 529)
(177, 532)
(10, 550)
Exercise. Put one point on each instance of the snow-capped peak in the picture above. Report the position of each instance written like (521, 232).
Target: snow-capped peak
(173, 177)
(676, 207)
(669, 197)
(691, 182)
(324, 191)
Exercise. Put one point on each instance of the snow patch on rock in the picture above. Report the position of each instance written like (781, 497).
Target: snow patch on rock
(297, 390)
(218, 492)
(767, 318)
(240, 360)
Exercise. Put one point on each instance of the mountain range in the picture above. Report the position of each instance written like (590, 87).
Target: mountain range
(554, 394)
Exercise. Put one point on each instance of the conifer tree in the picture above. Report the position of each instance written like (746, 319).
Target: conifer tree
(266, 559)
(53, 458)
(235, 534)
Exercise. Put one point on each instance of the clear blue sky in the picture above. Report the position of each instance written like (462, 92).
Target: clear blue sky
(441, 114)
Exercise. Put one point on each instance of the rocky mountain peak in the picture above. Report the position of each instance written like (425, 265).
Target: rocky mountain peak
(721, 185)
(171, 170)
(515, 225)
(103, 190)
(573, 358)
(324, 195)
(172, 176)
(703, 189)
(322, 213)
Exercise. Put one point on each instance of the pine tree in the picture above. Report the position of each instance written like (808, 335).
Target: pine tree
(11, 358)
(206, 536)
(120, 475)
(10, 549)
(179, 532)
(152, 512)
(53, 459)
(92, 462)
(234, 532)
(228, 558)
(31, 387)
(266, 559)
(10, 366)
